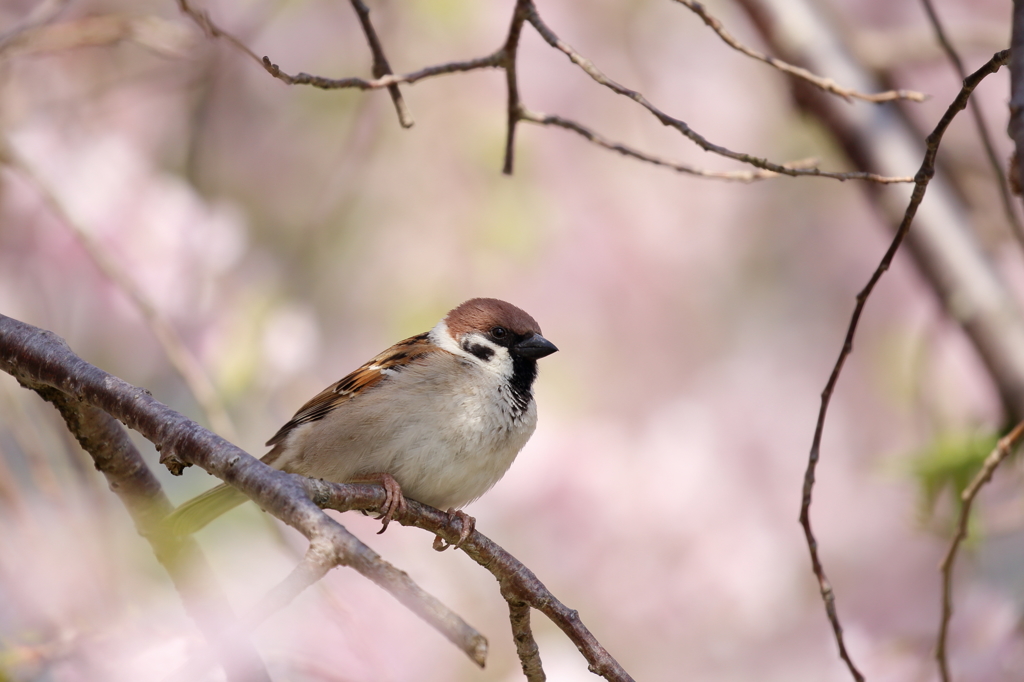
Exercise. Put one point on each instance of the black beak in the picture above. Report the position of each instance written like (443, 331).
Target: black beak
(534, 346)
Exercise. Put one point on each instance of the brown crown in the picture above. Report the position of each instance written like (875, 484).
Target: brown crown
(482, 314)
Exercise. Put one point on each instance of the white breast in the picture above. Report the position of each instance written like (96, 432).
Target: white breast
(445, 429)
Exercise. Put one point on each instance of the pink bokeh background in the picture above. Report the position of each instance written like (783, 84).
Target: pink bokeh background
(289, 234)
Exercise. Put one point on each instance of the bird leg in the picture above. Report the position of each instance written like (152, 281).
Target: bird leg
(394, 500)
(468, 524)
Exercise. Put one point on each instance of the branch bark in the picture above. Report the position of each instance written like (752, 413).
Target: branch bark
(1015, 128)
(40, 357)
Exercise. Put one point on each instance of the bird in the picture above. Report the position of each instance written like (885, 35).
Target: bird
(437, 418)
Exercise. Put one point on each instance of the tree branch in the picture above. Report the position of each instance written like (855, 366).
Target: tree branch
(42, 359)
(588, 67)
(824, 84)
(518, 583)
(979, 122)
(1015, 127)
(1006, 445)
(601, 141)
(505, 58)
(380, 63)
(39, 357)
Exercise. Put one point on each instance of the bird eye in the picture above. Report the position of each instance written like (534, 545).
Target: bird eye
(498, 332)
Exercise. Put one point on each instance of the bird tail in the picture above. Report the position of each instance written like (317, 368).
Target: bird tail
(202, 509)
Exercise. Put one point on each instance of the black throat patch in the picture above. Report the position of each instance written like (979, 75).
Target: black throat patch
(524, 372)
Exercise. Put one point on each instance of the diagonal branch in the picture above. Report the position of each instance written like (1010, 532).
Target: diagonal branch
(979, 123)
(519, 585)
(1006, 445)
(625, 150)
(39, 357)
(588, 67)
(824, 84)
(922, 178)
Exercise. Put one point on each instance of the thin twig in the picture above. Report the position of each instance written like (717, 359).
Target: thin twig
(979, 123)
(380, 63)
(518, 583)
(588, 67)
(505, 59)
(181, 359)
(921, 180)
(825, 84)
(625, 150)
(509, 52)
(1006, 445)
(490, 61)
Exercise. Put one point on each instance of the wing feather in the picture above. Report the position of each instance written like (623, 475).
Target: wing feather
(372, 373)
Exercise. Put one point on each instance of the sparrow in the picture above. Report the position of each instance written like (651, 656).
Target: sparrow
(437, 418)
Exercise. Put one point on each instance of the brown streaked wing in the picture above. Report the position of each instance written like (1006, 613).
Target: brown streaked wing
(367, 376)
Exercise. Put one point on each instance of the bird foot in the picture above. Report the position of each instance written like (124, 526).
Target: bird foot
(394, 500)
(468, 525)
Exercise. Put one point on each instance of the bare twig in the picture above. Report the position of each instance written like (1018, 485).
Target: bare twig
(517, 582)
(505, 59)
(979, 123)
(380, 63)
(922, 178)
(825, 84)
(599, 140)
(588, 67)
(131, 480)
(39, 357)
(183, 361)
(488, 62)
(509, 51)
(526, 645)
(1006, 445)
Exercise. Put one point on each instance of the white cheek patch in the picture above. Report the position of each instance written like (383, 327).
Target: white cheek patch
(476, 348)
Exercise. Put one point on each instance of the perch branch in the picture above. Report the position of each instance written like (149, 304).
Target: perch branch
(824, 84)
(39, 357)
(922, 178)
(1006, 445)
(518, 583)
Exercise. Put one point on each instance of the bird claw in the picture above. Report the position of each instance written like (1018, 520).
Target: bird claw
(394, 500)
(467, 526)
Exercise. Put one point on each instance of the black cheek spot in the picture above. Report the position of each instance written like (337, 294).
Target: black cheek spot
(480, 351)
